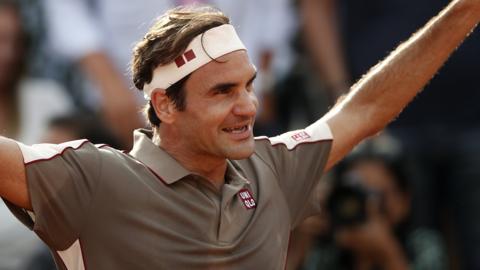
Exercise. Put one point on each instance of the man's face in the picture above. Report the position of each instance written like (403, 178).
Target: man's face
(220, 109)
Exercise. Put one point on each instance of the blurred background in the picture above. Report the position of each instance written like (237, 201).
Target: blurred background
(407, 199)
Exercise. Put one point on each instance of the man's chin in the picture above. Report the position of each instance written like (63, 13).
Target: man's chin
(243, 151)
(239, 156)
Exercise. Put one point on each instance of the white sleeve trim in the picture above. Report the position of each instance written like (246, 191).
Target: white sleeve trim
(45, 151)
(318, 131)
(72, 257)
(31, 215)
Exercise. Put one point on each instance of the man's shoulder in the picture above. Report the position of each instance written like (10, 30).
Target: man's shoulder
(84, 153)
(117, 158)
(43, 152)
(319, 132)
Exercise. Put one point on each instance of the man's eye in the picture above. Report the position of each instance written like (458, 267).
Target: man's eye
(223, 90)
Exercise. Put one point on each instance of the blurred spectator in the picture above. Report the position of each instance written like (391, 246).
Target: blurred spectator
(79, 125)
(23, 110)
(19, 247)
(306, 93)
(350, 36)
(368, 215)
(98, 36)
(321, 40)
(25, 106)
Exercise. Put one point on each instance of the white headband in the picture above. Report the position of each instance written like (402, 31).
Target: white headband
(205, 47)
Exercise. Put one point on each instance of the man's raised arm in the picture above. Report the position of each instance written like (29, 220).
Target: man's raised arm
(389, 86)
(13, 184)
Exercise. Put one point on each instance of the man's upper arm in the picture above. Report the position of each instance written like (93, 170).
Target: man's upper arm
(13, 183)
(349, 127)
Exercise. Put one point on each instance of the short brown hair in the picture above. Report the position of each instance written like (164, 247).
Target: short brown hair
(166, 40)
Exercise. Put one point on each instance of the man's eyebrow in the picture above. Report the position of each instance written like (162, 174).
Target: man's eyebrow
(221, 86)
(253, 78)
(228, 85)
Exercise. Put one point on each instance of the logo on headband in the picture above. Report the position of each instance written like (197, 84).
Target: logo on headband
(218, 41)
(186, 57)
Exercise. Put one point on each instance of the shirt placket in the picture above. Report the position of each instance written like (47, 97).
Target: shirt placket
(233, 214)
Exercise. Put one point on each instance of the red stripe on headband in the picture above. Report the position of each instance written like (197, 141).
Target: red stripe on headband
(179, 61)
(189, 55)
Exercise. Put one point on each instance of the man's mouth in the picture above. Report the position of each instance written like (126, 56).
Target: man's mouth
(239, 132)
(236, 130)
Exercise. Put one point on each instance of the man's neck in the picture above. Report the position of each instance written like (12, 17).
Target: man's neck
(211, 168)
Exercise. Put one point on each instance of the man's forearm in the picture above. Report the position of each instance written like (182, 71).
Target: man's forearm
(389, 86)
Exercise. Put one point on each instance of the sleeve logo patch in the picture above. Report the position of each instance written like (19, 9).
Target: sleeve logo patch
(300, 136)
(247, 199)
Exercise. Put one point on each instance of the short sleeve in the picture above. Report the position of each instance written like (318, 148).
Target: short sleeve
(298, 159)
(62, 180)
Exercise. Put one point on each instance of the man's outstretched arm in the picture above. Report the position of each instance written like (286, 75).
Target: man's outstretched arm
(389, 86)
(13, 184)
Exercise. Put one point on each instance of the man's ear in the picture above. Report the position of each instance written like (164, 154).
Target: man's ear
(163, 106)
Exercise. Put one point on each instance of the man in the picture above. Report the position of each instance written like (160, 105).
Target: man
(199, 192)
(99, 51)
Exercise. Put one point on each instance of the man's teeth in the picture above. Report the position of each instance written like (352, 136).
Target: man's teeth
(237, 129)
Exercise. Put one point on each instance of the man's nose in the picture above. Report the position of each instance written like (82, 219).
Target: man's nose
(246, 104)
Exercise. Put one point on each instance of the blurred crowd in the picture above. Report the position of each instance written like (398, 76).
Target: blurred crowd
(406, 199)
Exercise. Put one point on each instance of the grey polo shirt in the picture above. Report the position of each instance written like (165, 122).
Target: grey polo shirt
(100, 208)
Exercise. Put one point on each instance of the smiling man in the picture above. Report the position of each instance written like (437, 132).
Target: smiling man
(198, 191)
